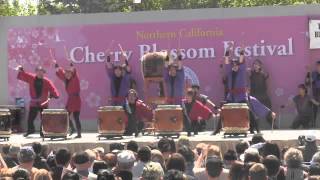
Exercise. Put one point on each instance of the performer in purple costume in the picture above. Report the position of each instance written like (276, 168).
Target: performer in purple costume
(174, 80)
(120, 79)
(237, 92)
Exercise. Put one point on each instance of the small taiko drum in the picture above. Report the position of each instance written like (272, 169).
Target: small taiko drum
(55, 123)
(169, 119)
(235, 118)
(5, 123)
(17, 113)
(153, 64)
(111, 121)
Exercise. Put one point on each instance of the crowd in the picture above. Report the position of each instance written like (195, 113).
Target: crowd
(257, 159)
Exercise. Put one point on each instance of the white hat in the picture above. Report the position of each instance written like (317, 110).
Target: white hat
(126, 156)
(310, 137)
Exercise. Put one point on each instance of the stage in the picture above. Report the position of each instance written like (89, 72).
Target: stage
(284, 138)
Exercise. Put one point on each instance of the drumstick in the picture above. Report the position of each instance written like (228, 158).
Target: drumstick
(45, 102)
(123, 53)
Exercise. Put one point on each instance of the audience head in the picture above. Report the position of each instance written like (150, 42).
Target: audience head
(187, 153)
(257, 138)
(241, 147)
(110, 159)
(156, 156)
(82, 160)
(314, 169)
(144, 154)
(63, 157)
(173, 174)
(105, 174)
(251, 155)
(152, 171)
(183, 141)
(21, 174)
(271, 149)
(99, 165)
(125, 160)
(176, 161)
(258, 172)
(26, 155)
(14, 150)
(37, 148)
(214, 166)
(42, 174)
(5, 149)
(133, 146)
(237, 171)
(293, 158)
(70, 175)
(272, 163)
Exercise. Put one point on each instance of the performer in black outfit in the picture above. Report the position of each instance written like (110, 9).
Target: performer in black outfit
(258, 83)
(137, 111)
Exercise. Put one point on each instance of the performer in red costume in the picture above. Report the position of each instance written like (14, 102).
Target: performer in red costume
(138, 112)
(41, 91)
(194, 112)
(72, 84)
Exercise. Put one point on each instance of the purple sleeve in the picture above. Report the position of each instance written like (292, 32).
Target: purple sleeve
(180, 74)
(109, 72)
(165, 74)
(258, 108)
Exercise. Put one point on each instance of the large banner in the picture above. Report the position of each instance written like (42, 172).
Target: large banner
(279, 42)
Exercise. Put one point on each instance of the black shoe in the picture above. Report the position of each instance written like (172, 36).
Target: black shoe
(195, 133)
(189, 134)
(28, 133)
(215, 133)
(71, 132)
(78, 136)
(41, 134)
(251, 131)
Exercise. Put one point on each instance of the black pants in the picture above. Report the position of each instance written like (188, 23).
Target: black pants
(76, 117)
(193, 126)
(134, 126)
(303, 121)
(33, 113)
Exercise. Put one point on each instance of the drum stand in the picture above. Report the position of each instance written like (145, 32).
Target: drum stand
(153, 101)
(110, 136)
(168, 135)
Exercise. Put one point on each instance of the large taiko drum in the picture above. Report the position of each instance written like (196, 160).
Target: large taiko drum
(168, 119)
(153, 64)
(17, 113)
(235, 118)
(55, 123)
(111, 121)
(5, 123)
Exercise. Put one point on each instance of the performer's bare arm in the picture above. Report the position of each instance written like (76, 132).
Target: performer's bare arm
(108, 62)
(241, 59)
(166, 61)
(315, 102)
(180, 65)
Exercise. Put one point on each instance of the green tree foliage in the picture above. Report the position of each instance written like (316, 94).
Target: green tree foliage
(45, 7)
(15, 8)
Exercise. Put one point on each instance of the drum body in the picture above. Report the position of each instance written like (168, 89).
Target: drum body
(17, 114)
(111, 120)
(235, 118)
(168, 119)
(153, 64)
(55, 122)
(5, 122)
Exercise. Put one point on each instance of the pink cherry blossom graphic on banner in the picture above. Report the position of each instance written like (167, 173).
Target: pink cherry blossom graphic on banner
(93, 100)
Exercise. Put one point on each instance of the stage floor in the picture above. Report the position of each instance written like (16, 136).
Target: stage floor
(284, 138)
